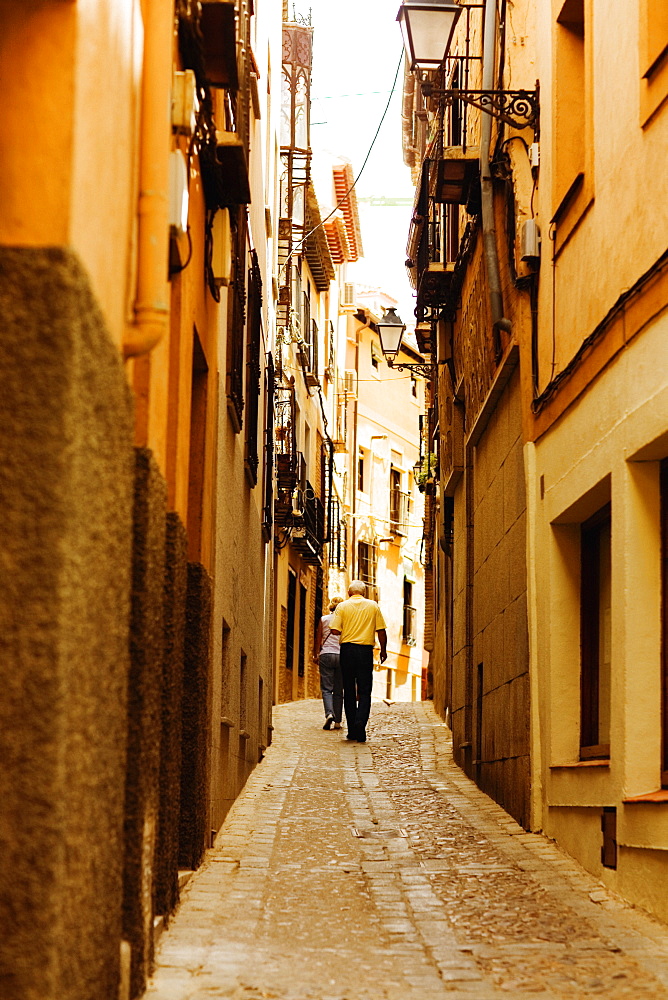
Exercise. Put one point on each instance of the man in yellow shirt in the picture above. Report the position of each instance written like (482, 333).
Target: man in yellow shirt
(356, 622)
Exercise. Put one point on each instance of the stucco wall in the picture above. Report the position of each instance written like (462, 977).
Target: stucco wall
(65, 536)
(605, 448)
(239, 601)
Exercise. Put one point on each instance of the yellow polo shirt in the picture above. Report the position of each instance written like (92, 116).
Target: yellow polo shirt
(358, 618)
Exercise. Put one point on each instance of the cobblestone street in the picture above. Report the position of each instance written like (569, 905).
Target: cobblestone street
(379, 872)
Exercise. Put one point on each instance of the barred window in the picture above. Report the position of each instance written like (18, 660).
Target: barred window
(367, 556)
(253, 370)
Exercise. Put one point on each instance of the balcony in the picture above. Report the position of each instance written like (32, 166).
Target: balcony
(434, 285)
(409, 633)
(308, 528)
(400, 511)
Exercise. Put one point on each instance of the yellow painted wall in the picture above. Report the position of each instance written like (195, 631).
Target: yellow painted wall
(619, 229)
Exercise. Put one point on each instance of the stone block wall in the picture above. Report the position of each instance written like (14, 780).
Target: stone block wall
(500, 708)
(194, 834)
(144, 714)
(66, 469)
(167, 843)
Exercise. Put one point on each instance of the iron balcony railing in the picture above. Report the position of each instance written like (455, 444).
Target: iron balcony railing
(410, 622)
(400, 511)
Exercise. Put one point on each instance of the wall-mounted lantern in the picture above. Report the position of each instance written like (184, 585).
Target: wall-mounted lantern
(427, 27)
(390, 330)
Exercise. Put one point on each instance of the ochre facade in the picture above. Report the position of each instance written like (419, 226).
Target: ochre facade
(543, 298)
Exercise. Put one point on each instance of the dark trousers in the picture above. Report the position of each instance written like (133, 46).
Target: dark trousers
(357, 671)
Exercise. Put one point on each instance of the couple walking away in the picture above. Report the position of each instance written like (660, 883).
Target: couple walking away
(346, 638)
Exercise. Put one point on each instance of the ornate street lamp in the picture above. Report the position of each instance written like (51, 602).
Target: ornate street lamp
(390, 330)
(427, 27)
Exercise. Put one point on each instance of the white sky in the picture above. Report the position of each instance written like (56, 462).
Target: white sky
(356, 49)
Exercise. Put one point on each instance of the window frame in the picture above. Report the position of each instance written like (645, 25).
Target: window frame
(590, 635)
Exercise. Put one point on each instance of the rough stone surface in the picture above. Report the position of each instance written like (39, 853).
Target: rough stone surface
(66, 464)
(167, 845)
(144, 713)
(381, 872)
(193, 825)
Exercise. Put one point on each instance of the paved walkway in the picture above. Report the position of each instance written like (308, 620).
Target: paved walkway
(379, 872)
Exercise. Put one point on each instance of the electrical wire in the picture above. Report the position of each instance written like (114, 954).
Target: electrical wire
(343, 200)
(402, 378)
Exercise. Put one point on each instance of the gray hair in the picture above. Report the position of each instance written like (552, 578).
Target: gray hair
(357, 587)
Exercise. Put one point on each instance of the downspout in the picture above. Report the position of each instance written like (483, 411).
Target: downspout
(151, 305)
(499, 321)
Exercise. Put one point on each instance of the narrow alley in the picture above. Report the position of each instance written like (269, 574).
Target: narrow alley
(379, 872)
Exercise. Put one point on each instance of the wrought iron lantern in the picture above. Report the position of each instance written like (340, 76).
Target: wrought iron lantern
(390, 330)
(427, 27)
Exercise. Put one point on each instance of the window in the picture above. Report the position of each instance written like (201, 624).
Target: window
(302, 628)
(595, 635)
(253, 370)
(224, 669)
(338, 538)
(653, 56)
(410, 614)
(236, 317)
(366, 567)
(268, 507)
(243, 684)
(361, 471)
(572, 147)
(290, 630)
(414, 385)
(395, 496)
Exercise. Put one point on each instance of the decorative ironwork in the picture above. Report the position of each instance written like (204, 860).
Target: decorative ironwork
(517, 108)
(427, 369)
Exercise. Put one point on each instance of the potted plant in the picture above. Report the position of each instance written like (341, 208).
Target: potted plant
(425, 474)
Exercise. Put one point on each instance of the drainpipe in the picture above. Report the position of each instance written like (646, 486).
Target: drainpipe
(151, 305)
(499, 321)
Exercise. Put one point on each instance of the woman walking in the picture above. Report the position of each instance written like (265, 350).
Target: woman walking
(331, 685)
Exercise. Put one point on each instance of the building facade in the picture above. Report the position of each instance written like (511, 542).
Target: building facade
(136, 280)
(538, 255)
(473, 311)
(598, 444)
(379, 505)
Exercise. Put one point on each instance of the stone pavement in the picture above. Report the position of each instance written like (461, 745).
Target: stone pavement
(378, 871)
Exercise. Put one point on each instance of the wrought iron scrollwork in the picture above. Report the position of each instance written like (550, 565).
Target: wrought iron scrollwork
(518, 108)
(427, 371)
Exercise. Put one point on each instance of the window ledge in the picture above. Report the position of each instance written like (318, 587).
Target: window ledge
(581, 763)
(660, 796)
(228, 723)
(244, 734)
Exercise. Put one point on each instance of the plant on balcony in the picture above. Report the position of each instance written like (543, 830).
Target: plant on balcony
(425, 473)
